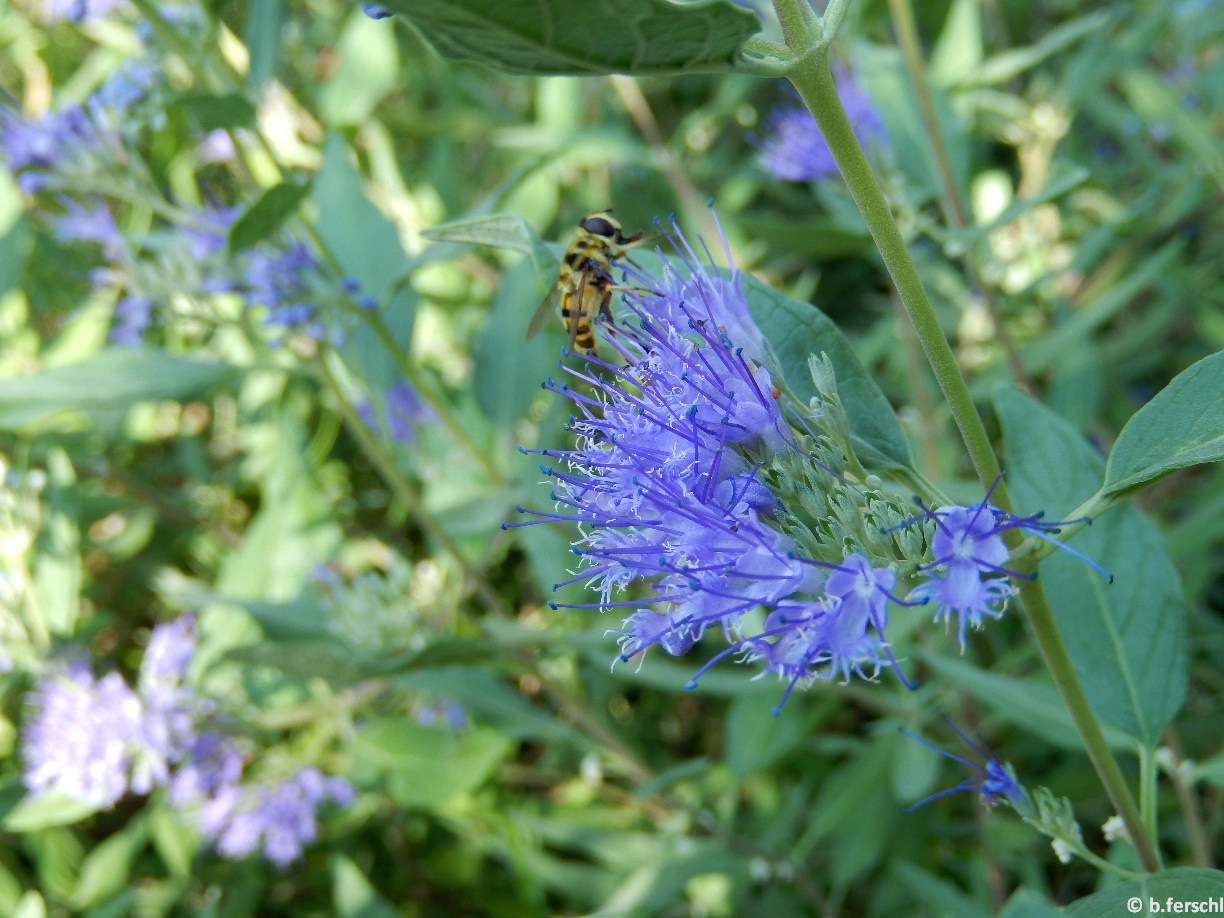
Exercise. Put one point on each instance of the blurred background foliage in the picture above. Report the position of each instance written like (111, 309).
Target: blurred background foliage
(359, 603)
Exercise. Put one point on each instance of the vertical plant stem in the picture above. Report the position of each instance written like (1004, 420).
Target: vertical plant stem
(1147, 789)
(405, 492)
(813, 80)
(1186, 802)
(1041, 621)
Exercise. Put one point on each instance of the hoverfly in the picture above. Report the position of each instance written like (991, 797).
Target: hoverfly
(584, 286)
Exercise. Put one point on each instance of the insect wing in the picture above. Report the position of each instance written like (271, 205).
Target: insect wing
(545, 310)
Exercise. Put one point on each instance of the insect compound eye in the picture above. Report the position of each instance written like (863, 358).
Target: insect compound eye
(599, 226)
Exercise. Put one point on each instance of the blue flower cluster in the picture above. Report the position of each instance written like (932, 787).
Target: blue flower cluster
(95, 740)
(664, 487)
(88, 156)
(682, 454)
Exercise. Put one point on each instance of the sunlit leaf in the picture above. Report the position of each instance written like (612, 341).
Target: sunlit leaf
(1182, 425)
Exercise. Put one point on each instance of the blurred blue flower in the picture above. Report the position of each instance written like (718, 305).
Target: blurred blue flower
(995, 781)
(77, 11)
(90, 224)
(33, 149)
(404, 411)
(134, 315)
(274, 277)
(795, 150)
(88, 739)
(374, 11)
(207, 230)
(278, 816)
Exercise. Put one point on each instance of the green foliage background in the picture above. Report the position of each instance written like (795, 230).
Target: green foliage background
(208, 471)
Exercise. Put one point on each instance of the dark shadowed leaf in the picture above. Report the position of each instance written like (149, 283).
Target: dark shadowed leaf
(797, 330)
(266, 215)
(593, 37)
(212, 112)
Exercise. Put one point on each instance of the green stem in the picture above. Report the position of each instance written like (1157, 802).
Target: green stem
(813, 79)
(404, 491)
(1148, 773)
(440, 406)
(1054, 652)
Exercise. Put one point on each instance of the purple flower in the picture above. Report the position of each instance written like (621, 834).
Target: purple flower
(134, 315)
(94, 224)
(404, 411)
(207, 231)
(272, 278)
(88, 739)
(35, 149)
(374, 11)
(796, 151)
(968, 545)
(211, 763)
(995, 781)
(664, 484)
(77, 11)
(279, 817)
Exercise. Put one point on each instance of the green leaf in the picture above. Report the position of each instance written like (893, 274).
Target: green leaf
(111, 379)
(941, 896)
(503, 231)
(583, 39)
(427, 766)
(266, 215)
(47, 810)
(57, 563)
(367, 71)
(1025, 903)
(796, 330)
(510, 369)
(1184, 884)
(105, 871)
(262, 37)
(1013, 62)
(1183, 425)
(1127, 640)
(353, 895)
(175, 842)
(212, 112)
(1035, 706)
(755, 738)
(31, 906)
(363, 241)
(15, 247)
